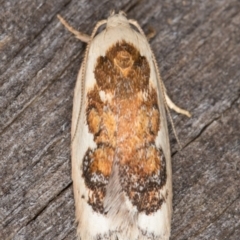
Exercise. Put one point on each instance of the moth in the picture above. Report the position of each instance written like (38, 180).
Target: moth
(121, 160)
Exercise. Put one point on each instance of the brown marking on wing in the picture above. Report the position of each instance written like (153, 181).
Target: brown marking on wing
(123, 71)
(124, 128)
(94, 110)
(97, 166)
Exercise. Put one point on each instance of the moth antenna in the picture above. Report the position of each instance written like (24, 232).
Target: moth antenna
(165, 101)
(122, 13)
(79, 35)
(112, 12)
(133, 22)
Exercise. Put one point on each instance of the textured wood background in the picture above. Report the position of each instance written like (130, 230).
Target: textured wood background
(197, 46)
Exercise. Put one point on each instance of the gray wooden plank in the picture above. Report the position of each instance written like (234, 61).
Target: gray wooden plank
(197, 46)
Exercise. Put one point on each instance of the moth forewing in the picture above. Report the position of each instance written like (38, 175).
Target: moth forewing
(85, 217)
(121, 162)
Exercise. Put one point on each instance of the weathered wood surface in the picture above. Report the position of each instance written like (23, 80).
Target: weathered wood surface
(197, 46)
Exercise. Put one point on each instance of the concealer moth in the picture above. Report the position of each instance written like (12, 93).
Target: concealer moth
(121, 160)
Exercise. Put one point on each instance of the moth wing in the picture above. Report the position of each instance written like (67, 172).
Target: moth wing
(159, 222)
(90, 223)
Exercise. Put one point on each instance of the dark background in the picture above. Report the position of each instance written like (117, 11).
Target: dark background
(197, 46)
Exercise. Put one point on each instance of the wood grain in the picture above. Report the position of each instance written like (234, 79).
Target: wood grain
(197, 46)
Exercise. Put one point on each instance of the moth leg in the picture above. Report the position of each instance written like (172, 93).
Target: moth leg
(151, 33)
(81, 36)
(177, 109)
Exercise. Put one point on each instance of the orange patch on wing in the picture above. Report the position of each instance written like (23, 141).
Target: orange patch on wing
(94, 110)
(124, 62)
(102, 161)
